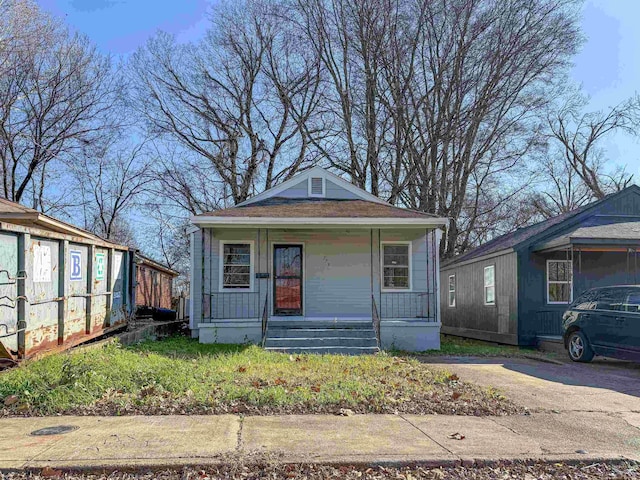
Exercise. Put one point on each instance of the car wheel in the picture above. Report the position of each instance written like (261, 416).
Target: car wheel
(578, 347)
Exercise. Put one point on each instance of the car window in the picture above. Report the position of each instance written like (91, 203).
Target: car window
(632, 302)
(586, 301)
(610, 299)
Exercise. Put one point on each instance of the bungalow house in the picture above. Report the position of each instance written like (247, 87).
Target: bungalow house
(316, 264)
(515, 288)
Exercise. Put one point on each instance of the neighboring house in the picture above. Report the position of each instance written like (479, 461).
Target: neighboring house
(515, 288)
(154, 283)
(313, 254)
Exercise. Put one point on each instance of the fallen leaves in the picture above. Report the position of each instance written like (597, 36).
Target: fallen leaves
(239, 470)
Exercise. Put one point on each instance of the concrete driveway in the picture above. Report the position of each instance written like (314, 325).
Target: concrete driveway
(601, 386)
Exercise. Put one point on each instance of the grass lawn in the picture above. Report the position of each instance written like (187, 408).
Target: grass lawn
(180, 376)
(457, 346)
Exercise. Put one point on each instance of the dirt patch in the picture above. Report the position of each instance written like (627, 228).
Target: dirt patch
(450, 398)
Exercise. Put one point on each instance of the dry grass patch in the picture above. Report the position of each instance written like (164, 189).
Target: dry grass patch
(180, 376)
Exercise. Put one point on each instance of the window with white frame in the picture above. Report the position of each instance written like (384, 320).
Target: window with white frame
(490, 285)
(559, 281)
(396, 266)
(452, 290)
(236, 267)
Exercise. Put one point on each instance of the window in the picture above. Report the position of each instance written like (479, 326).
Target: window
(632, 302)
(490, 285)
(559, 281)
(610, 299)
(586, 301)
(237, 270)
(396, 268)
(452, 290)
(316, 186)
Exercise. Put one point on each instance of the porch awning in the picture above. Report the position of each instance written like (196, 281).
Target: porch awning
(309, 212)
(602, 238)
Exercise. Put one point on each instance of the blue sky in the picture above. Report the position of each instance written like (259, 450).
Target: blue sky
(608, 66)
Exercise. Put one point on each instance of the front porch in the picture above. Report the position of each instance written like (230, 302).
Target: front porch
(327, 286)
(596, 256)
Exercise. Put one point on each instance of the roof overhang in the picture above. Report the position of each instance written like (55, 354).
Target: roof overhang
(320, 222)
(588, 244)
(46, 232)
(17, 217)
(142, 260)
(44, 221)
(452, 263)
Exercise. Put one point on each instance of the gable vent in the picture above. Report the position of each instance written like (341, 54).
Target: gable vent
(317, 186)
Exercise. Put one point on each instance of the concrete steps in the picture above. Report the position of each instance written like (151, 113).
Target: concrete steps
(321, 336)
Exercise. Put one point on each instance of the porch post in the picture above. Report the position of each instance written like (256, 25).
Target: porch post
(436, 278)
(375, 269)
(263, 267)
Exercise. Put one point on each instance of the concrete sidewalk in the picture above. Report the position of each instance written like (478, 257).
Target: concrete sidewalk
(117, 442)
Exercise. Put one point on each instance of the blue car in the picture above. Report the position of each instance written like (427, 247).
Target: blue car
(604, 321)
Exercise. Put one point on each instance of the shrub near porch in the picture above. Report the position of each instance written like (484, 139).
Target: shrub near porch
(181, 376)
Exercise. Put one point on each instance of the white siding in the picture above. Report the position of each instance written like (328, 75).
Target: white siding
(337, 277)
(332, 190)
(299, 190)
(338, 267)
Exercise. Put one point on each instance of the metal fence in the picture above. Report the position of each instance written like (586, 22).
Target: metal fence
(232, 305)
(407, 305)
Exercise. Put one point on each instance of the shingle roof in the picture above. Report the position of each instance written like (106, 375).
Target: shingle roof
(317, 208)
(610, 231)
(514, 238)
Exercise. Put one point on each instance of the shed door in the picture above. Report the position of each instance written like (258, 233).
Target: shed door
(287, 279)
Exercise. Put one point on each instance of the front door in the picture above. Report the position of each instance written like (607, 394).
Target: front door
(287, 279)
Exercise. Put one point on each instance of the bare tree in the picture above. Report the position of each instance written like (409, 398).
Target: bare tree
(351, 39)
(558, 189)
(579, 134)
(238, 100)
(482, 73)
(430, 104)
(112, 181)
(55, 89)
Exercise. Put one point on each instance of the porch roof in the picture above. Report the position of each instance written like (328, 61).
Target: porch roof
(601, 237)
(318, 212)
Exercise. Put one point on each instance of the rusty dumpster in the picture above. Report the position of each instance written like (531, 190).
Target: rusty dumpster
(59, 285)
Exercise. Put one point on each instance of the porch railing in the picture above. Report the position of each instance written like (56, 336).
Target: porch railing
(376, 319)
(265, 323)
(407, 305)
(232, 305)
